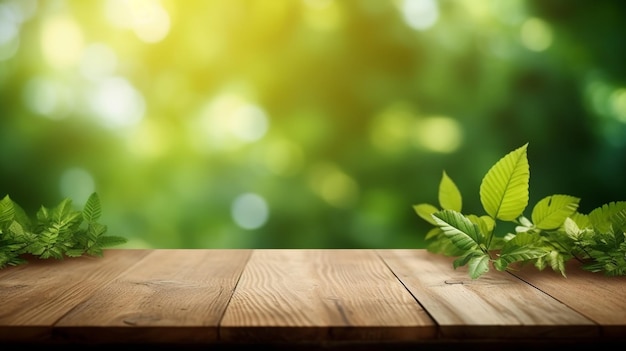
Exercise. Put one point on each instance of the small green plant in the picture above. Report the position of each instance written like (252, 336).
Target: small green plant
(555, 232)
(53, 233)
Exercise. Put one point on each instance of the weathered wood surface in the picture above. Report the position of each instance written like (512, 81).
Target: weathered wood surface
(297, 295)
(222, 297)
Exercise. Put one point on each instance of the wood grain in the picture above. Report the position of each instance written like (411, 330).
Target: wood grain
(497, 305)
(173, 296)
(319, 295)
(306, 299)
(594, 295)
(37, 294)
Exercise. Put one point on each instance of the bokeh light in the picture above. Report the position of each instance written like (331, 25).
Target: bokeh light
(536, 34)
(250, 211)
(303, 123)
(61, 41)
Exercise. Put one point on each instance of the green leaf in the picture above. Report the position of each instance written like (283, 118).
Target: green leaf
(111, 240)
(75, 252)
(600, 217)
(7, 212)
(523, 247)
(551, 211)
(485, 224)
(449, 194)
(556, 261)
(461, 231)
(619, 220)
(55, 233)
(425, 211)
(433, 233)
(504, 189)
(466, 256)
(571, 229)
(92, 210)
(478, 266)
(63, 209)
(554, 234)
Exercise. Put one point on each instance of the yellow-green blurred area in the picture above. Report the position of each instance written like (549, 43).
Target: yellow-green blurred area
(304, 123)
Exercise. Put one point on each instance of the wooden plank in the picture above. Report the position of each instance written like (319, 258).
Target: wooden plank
(496, 305)
(35, 295)
(594, 295)
(172, 296)
(321, 295)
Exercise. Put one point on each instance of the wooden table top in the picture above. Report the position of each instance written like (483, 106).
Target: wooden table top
(301, 297)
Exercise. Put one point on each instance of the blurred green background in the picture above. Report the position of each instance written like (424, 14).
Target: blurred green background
(304, 123)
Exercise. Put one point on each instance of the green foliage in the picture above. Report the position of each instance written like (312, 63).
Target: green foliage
(555, 233)
(53, 233)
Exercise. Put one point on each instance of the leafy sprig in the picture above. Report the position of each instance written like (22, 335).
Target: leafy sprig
(555, 232)
(53, 233)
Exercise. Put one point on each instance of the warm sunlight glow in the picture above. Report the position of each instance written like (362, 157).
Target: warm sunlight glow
(419, 14)
(438, 134)
(61, 41)
(323, 15)
(229, 121)
(117, 103)
(146, 18)
(149, 140)
(98, 61)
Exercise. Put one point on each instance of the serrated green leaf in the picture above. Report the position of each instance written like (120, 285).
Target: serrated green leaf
(504, 189)
(581, 220)
(459, 229)
(619, 221)
(7, 211)
(425, 211)
(16, 229)
(92, 209)
(551, 211)
(571, 229)
(449, 195)
(556, 261)
(111, 240)
(75, 252)
(94, 230)
(442, 245)
(485, 224)
(465, 257)
(43, 214)
(515, 253)
(600, 217)
(478, 266)
(433, 233)
(61, 210)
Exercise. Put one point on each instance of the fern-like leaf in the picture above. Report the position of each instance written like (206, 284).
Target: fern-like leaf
(459, 229)
(600, 217)
(92, 210)
(477, 262)
(7, 211)
(111, 240)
